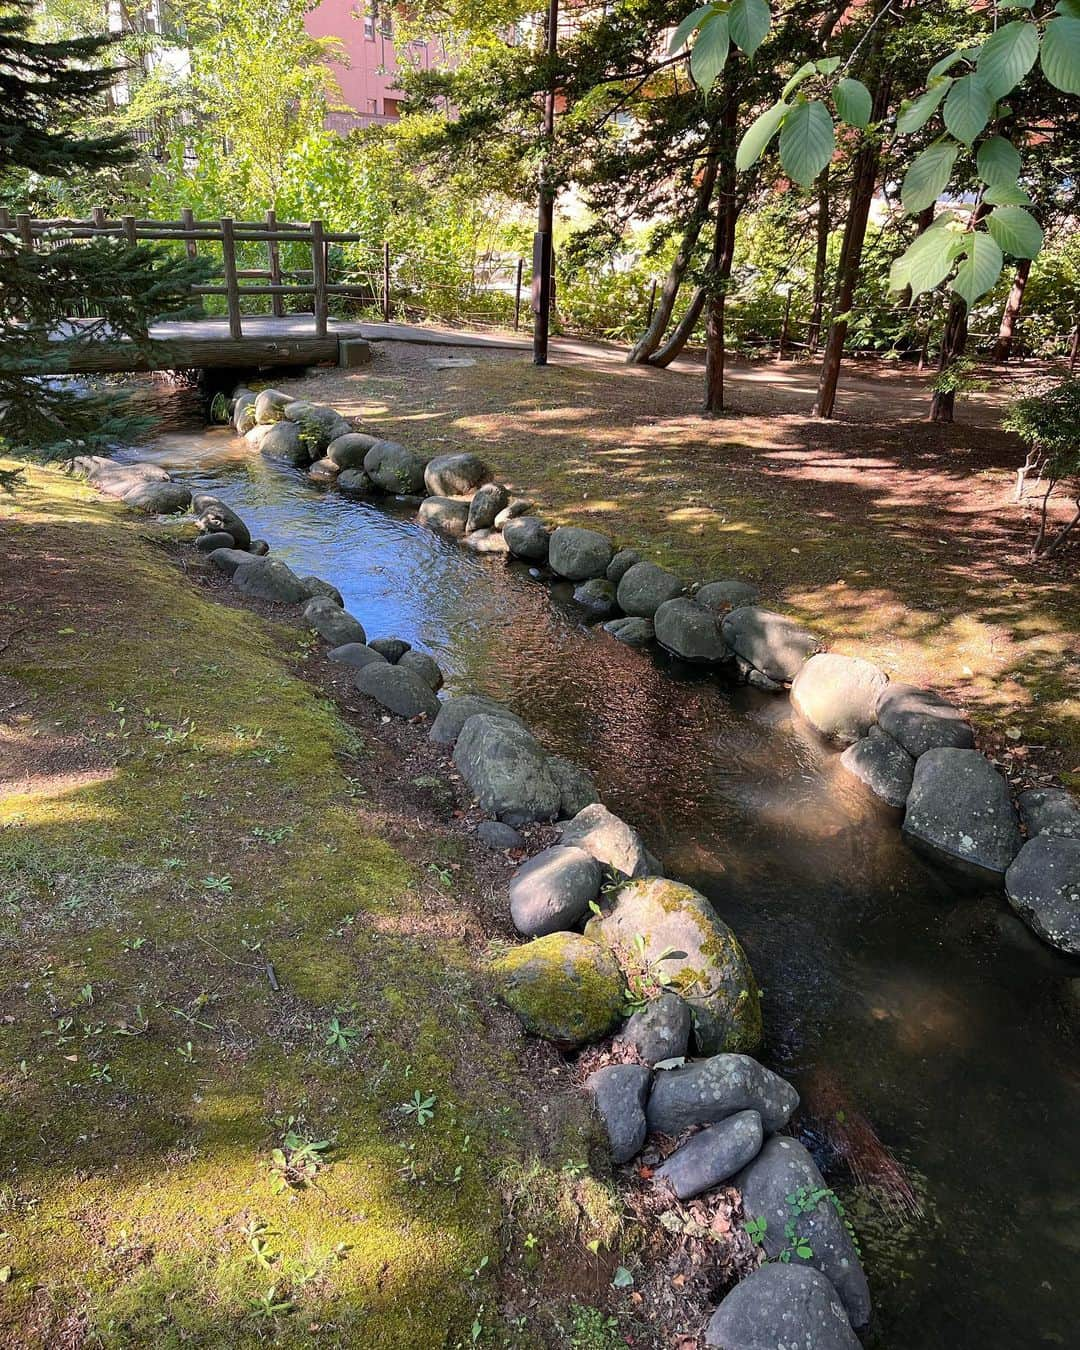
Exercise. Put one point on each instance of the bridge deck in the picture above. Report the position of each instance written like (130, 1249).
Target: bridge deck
(267, 341)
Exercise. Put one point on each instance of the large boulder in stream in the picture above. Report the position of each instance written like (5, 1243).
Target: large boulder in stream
(920, 720)
(782, 1170)
(882, 764)
(562, 987)
(117, 480)
(348, 450)
(456, 711)
(838, 695)
(780, 1304)
(959, 810)
(158, 499)
(690, 631)
(394, 468)
(527, 538)
(445, 514)
(506, 770)
(486, 504)
(553, 890)
(332, 623)
(1043, 886)
(269, 579)
(578, 554)
(771, 643)
(712, 1155)
(456, 475)
(213, 515)
(644, 587)
(283, 441)
(713, 1089)
(609, 839)
(674, 927)
(397, 689)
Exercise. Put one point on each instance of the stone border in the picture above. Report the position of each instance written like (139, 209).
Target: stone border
(655, 937)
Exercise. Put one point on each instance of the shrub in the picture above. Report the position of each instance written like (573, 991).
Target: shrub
(1048, 422)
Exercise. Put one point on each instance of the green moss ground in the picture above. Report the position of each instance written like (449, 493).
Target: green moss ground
(180, 809)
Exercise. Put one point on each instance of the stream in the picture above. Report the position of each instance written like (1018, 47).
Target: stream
(905, 1008)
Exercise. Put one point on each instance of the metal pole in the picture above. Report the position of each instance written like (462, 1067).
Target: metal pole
(545, 218)
(517, 294)
(386, 281)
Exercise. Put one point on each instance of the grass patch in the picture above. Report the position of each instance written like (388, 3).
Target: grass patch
(191, 1156)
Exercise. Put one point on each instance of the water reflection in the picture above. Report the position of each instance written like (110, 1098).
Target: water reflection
(934, 1013)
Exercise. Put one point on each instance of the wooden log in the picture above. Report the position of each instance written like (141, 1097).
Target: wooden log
(131, 230)
(25, 232)
(191, 353)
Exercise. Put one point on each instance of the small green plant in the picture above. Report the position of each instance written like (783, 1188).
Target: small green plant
(134, 944)
(755, 1230)
(339, 1037)
(256, 1234)
(297, 1162)
(645, 980)
(267, 1306)
(185, 1051)
(222, 885)
(420, 1107)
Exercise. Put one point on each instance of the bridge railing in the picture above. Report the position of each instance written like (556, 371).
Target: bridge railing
(237, 282)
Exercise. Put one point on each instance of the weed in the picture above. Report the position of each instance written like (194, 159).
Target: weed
(339, 1037)
(268, 1306)
(297, 1162)
(421, 1107)
(222, 885)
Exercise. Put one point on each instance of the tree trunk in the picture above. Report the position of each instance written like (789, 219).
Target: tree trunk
(650, 340)
(821, 257)
(863, 181)
(1003, 346)
(682, 332)
(723, 254)
(953, 343)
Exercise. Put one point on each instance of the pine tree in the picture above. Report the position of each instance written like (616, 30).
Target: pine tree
(45, 89)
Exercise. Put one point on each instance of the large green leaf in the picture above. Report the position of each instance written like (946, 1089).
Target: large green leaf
(853, 103)
(919, 111)
(1007, 56)
(758, 135)
(946, 63)
(998, 161)
(928, 175)
(1061, 53)
(980, 268)
(928, 260)
(749, 24)
(1006, 194)
(1016, 231)
(681, 35)
(1070, 8)
(807, 141)
(968, 108)
(805, 70)
(710, 52)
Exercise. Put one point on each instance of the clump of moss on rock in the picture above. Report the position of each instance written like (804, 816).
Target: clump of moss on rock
(563, 987)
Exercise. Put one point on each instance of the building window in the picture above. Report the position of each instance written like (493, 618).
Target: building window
(391, 107)
(369, 27)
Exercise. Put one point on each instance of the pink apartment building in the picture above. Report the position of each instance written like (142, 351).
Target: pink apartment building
(367, 82)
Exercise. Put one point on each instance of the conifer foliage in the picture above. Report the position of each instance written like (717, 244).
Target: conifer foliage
(46, 88)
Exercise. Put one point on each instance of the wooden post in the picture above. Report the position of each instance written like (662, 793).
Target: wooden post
(318, 277)
(785, 326)
(273, 248)
(517, 293)
(5, 218)
(25, 231)
(232, 286)
(98, 217)
(130, 233)
(386, 281)
(187, 220)
(1074, 351)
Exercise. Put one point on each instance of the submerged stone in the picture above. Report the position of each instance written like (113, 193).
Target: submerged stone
(838, 695)
(883, 765)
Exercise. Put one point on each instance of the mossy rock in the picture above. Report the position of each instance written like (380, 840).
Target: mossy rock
(563, 987)
(705, 962)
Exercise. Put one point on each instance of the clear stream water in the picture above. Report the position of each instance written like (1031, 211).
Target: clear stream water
(895, 999)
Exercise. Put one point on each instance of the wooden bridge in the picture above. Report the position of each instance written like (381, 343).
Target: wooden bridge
(238, 338)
